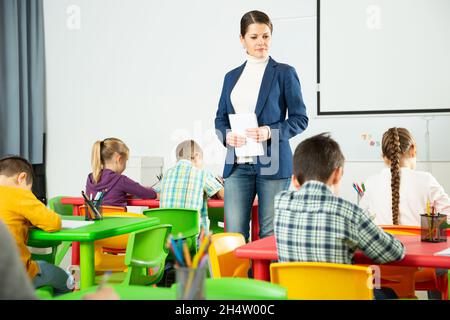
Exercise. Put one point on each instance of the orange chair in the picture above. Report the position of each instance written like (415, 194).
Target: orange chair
(222, 259)
(405, 280)
(110, 252)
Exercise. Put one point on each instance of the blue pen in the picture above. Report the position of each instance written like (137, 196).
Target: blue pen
(178, 255)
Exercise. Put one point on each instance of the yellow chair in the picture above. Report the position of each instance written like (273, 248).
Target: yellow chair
(110, 252)
(222, 259)
(323, 281)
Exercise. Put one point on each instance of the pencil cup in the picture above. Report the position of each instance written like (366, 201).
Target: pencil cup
(433, 228)
(89, 214)
(190, 283)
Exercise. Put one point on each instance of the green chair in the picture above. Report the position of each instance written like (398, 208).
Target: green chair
(184, 221)
(49, 257)
(215, 289)
(241, 289)
(215, 217)
(146, 250)
(62, 209)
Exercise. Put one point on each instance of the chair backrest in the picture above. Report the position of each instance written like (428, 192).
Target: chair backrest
(216, 219)
(46, 251)
(221, 254)
(118, 242)
(62, 209)
(241, 289)
(401, 230)
(184, 221)
(147, 249)
(323, 281)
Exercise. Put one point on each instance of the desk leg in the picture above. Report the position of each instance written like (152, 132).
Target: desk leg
(261, 270)
(255, 224)
(87, 264)
(76, 245)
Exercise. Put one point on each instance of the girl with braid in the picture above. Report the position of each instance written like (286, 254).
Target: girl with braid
(399, 194)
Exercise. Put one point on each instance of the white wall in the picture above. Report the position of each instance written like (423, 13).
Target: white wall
(150, 73)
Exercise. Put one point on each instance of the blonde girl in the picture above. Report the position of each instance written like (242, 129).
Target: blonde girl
(109, 159)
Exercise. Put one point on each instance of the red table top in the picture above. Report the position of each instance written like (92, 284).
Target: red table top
(151, 203)
(417, 253)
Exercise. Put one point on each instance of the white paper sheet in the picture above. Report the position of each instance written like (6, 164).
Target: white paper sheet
(241, 122)
(445, 252)
(73, 224)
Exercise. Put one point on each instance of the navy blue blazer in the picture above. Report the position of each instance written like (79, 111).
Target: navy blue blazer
(280, 93)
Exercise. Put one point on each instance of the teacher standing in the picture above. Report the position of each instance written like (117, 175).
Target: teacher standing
(270, 90)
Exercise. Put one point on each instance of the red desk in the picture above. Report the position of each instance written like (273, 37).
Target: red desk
(77, 202)
(417, 254)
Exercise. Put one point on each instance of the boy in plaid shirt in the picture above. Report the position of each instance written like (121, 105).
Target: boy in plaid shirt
(312, 224)
(187, 184)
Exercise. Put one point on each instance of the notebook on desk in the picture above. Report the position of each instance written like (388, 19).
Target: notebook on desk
(73, 224)
(445, 252)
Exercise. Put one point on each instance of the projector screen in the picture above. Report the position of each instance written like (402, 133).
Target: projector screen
(376, 56)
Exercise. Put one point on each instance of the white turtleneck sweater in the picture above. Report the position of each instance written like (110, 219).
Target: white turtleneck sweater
(245, 93)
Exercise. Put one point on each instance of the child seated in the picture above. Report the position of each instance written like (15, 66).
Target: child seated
(19, 210)
(109, 160)
(399, 194)
(187, 184)
(312, 224)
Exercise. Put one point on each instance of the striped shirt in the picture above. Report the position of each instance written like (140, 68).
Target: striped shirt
(185, 186)
(313, 225)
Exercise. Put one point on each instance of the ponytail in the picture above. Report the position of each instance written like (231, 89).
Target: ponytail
(96, 161)
(103, 151)
(396, 142)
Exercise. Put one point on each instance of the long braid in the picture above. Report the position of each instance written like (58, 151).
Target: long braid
(391, 141)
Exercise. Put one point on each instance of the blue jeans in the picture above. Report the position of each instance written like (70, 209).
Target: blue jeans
(241, 187)
(54, 276)
(384, 293)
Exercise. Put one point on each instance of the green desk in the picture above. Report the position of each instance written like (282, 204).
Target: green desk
(108, 227)
(216, 289)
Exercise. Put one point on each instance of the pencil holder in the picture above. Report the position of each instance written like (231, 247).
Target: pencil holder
(433, 227)
(89, 214)
(190, 283)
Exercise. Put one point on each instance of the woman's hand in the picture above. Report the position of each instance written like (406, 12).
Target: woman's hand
(258, 134)
(236, 140)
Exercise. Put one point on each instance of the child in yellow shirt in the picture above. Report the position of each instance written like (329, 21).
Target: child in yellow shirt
(19, 210)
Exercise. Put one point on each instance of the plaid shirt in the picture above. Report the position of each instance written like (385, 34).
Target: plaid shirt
(185, 186)
(313, 225)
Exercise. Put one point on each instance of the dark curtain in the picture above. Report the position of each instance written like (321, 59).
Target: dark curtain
(22, 79)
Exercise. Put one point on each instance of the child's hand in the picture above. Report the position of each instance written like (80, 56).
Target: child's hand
(105, 293)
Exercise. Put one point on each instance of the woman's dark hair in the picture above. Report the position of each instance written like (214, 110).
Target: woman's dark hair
(254, 16)
(316, 158)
